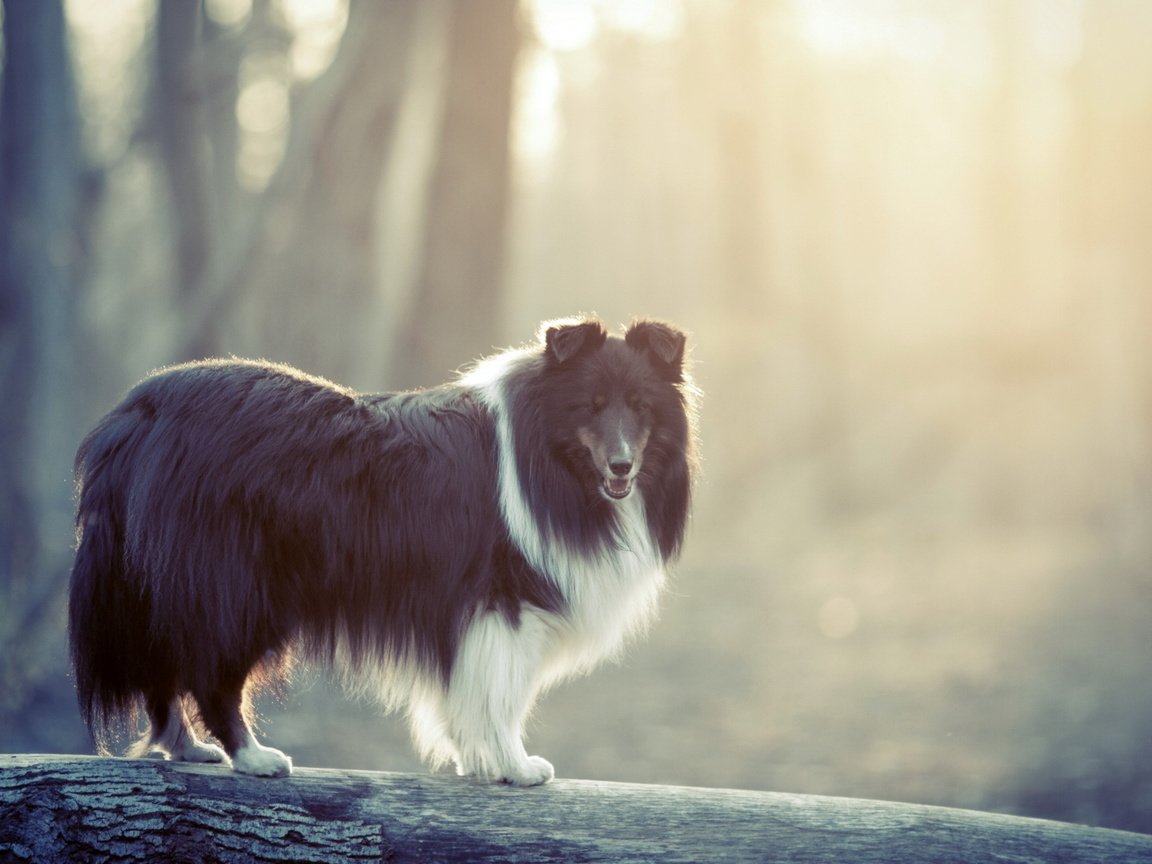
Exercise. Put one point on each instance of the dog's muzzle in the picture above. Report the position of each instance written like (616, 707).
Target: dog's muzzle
(620, 483)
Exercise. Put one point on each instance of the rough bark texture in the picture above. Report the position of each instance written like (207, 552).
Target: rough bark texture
(70, 808)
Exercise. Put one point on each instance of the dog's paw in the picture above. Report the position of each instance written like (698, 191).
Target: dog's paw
(260, 761)
(532, 772)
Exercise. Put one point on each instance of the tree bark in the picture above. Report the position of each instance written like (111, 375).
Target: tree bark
(69, 808)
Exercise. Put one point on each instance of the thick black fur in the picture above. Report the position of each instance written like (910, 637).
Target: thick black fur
(233, 512)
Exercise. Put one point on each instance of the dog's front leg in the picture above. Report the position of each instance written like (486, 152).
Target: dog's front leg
(493, 685)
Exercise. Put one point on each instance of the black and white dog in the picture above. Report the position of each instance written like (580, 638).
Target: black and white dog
(454, 550)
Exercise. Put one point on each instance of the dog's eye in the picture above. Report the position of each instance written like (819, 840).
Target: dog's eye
(599, 401)
(636, 402)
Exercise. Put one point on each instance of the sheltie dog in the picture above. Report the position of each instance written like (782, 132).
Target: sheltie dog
(454, 551)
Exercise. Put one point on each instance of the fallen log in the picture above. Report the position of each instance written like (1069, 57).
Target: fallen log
(75, 808)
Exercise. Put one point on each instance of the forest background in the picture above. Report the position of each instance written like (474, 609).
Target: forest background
(910, 239)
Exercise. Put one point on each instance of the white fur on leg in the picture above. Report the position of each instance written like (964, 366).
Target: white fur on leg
(260, 761)
(493, 685)
(179, 741)
(192, 749)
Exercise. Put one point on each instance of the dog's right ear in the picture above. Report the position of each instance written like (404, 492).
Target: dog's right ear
(563, 340)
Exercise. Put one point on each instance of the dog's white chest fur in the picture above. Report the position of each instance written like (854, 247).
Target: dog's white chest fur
(611, 596)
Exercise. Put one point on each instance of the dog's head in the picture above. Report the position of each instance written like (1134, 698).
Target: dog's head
(621, 400)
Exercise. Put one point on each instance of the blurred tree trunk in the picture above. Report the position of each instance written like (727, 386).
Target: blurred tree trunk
(306, 259)
(811, 151)
(744, 138)
(178, 115)
(1007, 306)
(456, 310)
(41, 214)
(224, 53)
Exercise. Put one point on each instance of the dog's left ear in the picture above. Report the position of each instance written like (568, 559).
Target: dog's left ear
(663, 344)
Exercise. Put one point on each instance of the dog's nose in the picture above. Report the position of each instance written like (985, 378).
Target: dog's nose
(620, 466)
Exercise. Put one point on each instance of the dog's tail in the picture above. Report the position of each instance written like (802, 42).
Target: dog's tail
(108, 610)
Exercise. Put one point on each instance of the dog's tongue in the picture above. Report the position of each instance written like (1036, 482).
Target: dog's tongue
(618, 487)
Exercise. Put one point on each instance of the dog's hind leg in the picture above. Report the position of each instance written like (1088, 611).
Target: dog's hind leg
(172, 733)
(222, 709)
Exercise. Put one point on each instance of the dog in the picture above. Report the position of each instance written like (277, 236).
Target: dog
(454, 551)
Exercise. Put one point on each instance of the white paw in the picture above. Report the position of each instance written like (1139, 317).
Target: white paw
(261, 761)
(531, 772)
(198, 751)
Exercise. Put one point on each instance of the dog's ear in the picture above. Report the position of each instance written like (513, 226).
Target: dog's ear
(663, 344)
(565, 339)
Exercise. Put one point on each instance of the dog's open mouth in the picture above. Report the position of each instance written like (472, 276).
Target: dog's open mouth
(617, 487)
